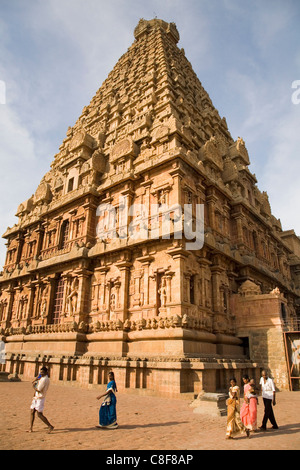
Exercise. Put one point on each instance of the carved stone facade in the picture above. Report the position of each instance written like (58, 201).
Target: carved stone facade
(81, 295)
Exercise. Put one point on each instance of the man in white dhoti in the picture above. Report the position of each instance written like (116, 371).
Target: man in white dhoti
(38, 401)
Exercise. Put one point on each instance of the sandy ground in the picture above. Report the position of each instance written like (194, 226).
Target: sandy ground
(145, 423)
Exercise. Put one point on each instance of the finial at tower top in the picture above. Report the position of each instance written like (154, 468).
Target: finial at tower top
(144, 26)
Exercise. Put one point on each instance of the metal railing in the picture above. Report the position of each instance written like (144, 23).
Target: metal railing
(291, 324)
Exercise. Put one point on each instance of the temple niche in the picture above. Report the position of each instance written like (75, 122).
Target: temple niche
(101, 271)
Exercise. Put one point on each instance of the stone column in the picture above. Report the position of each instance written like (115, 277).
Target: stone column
(168, 276)
(124, 219)
(204, 265)
(104, 295)
(146, 260)
(146, 197)
(90, 220)
(179, 255)
(175, 196)
(124, 268)
(40, 232)
(216, 297)
(211, 204)
(83, 275)
(238, 217)
(20, 240)
(11, 294)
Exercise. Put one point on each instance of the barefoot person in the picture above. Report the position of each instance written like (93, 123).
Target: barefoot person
(38, 401)
(107, 412)
(234, 423)
(248, 411)
(268, 395)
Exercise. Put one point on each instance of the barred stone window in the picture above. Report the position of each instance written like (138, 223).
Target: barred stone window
(58, 301)
(64, 234)
(192, 290)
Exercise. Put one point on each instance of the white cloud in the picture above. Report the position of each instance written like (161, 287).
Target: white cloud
(281, 176)
(269, 122)
(18, 164)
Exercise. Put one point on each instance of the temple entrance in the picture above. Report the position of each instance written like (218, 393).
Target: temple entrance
(245, 346)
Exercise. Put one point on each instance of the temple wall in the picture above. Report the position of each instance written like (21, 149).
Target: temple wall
(259, 319)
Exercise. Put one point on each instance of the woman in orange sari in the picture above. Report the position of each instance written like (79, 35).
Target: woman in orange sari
(234, 423)
(249, 407)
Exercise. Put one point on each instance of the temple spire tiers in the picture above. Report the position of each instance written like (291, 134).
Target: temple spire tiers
(100, 272)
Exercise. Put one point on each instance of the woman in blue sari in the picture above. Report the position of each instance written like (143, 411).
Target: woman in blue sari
(108, 412)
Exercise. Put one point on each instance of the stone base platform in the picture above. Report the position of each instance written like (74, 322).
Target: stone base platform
(174, 377)
(213, 404)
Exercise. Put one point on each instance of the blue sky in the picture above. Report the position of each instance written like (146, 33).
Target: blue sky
(55, 54)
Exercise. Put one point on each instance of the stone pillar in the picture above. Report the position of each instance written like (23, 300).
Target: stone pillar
(146, 197)
(216, 297)
(40, 232)
(168, 277)
(124, 219)
(11, 296)
(204, 265)
(124, 268)
(83, 291)
(104, 293)
(179, 255)
(211, 204)
(238, 217)
(20, 240)
(90, 228)
(146, 260)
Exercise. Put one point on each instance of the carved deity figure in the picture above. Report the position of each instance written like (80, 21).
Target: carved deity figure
(44, 302)
(72, 298)
(3, 308)
(163, 292)
(112, 302)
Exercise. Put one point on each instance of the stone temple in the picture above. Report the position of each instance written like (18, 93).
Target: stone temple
(94, 280)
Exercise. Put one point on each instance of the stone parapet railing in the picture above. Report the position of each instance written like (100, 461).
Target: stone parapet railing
(159, 322)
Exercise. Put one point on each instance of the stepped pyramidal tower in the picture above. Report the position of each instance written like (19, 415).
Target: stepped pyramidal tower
(95, 280)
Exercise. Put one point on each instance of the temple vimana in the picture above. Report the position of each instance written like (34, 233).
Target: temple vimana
(81, 295)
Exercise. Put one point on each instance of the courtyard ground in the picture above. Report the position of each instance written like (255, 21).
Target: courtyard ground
(145, 423)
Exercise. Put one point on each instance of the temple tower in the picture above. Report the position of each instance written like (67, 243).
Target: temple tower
(102, 271)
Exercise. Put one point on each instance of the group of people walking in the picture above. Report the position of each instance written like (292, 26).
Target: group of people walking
(240, 420)
(243, 419)
(107, 412)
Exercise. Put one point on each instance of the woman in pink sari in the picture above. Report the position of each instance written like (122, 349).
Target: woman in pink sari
(248, 411)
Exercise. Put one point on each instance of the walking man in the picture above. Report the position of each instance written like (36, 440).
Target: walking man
(268, 395)
(38, 401)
